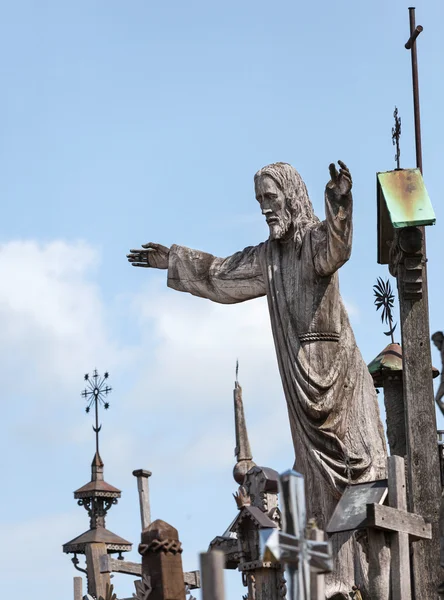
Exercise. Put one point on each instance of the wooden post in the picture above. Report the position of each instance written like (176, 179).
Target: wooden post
(317, 582)
(422, 450)
(378, 565)
(162, 561)
(400, 554)
(78, 588)
(144, 496)
(212, 573)
(386, 370)
(395, 413)
(96, 580)
(265, 583)
(423, 462)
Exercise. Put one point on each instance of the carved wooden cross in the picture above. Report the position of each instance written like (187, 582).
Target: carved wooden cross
(301, 555)
(404, 528)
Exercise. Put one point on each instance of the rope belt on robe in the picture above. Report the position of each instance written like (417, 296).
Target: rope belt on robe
(319, 336)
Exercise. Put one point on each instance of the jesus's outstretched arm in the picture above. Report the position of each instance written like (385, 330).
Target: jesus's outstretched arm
(226, 280)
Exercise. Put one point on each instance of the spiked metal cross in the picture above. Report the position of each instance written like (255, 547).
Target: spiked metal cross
(95, 393)
(290, 545)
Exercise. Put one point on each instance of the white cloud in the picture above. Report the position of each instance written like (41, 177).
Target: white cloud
(189, 375)
(52, 313)
(353, 311)
(31, 555)
(198, 341)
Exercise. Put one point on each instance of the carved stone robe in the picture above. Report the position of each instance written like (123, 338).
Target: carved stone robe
(332, 405)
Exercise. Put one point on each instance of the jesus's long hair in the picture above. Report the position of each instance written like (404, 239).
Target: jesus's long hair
(298, 203)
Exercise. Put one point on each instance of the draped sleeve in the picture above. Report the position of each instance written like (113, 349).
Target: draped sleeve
(225, 280)
(332, 239)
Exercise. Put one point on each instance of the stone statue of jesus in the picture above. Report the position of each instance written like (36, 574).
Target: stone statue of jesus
(334, 416)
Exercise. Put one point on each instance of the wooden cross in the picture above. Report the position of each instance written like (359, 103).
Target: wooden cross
(361, 508)
(404, 527)
(114, 565)
(301, 555)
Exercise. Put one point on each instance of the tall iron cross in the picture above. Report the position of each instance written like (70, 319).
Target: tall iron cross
(411, 45)
(95, 393)
(396, 134)
(290, 545)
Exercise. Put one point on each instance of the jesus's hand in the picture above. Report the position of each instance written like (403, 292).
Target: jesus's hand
(340, 183)
(152, 255)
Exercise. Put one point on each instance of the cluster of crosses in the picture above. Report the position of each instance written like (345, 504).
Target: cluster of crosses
(262, 540)
(279, 554)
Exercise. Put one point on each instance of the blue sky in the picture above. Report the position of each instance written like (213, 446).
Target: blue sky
(128, 122)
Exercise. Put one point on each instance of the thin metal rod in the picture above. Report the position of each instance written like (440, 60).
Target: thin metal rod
(411, 45)
(413, 37)
(96, 429)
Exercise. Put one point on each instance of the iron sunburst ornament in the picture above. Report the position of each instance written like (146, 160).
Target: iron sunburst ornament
(95, 393)
(385, 298)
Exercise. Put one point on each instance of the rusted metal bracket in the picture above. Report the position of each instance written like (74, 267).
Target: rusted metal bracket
(75, 561)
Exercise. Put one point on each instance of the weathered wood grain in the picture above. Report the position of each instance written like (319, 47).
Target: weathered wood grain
(266, 584)
(395, 414)
(192, 579)
(144, 495)
(378, 565)
(392, 519)
(422, 453)
(399, 543)
(317, 582)
(212, 573)
(113, 565)
(97, 581)
(161, 553)
(78, 588)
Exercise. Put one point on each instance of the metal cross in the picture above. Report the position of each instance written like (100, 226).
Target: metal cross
(290, 545)
(95, 393)
(396, 134)
(411, 45)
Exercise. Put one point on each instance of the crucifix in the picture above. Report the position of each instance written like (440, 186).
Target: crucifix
(302, 556)
(396, 134)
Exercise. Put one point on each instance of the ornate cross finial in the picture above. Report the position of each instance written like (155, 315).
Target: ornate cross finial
(396, 134)
(384, 298)
(95, 393)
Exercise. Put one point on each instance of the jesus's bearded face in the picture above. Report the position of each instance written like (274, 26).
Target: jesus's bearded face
(273, 204)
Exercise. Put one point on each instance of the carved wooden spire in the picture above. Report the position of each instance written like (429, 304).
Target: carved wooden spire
(242, 450)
